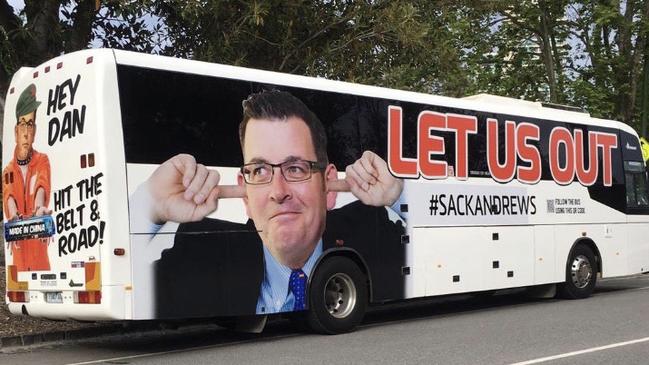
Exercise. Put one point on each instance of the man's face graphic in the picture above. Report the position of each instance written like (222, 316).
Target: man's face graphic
(25, 131)
(289, 215)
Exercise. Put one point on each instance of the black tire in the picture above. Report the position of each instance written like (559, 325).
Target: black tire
(337, 296)
(581, 274)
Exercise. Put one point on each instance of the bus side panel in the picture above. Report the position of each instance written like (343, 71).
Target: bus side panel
(610, 239)
(544, 255)
(439, 262)
(612, 242)
(200, 117)
(191, 272)
(452, 260)
(203, 261)
(638, 229)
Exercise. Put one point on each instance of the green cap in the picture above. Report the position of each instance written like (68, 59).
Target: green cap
(27, 101)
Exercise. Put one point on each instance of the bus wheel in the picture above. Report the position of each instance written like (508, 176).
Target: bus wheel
(581, 274)
(337, 296)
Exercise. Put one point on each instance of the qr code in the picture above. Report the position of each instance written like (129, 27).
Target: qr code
(550, 205)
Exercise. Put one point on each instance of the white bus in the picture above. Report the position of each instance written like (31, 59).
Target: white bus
(113, 163)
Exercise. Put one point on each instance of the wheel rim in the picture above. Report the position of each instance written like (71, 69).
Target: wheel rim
(581, 271)
(340, 295)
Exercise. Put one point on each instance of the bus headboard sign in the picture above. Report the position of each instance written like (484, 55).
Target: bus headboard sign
(517, 146)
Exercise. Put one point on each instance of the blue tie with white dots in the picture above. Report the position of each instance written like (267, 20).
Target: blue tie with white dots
(297, 284)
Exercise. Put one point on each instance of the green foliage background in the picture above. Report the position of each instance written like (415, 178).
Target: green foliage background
(589, 53)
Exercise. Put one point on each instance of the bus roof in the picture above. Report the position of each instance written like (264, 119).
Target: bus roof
(480, 102)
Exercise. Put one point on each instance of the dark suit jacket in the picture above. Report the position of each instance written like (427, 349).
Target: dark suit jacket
(215, 267)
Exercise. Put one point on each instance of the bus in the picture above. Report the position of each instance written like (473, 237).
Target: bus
(139, 187)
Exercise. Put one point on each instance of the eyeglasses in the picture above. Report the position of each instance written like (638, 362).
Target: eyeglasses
(259, 173)
(26, 125)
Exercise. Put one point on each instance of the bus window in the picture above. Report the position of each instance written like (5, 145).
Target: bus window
(636, 185)
(202, 113)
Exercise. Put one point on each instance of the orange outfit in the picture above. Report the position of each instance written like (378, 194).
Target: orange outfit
(28, 254)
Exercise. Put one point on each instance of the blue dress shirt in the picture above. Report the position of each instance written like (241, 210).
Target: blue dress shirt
(274, 296)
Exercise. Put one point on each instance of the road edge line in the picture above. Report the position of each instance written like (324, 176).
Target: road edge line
(581, 352)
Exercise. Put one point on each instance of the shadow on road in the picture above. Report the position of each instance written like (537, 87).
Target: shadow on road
(212, 335)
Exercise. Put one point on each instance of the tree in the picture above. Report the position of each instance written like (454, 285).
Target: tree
(613, 36)
(586, 53)
(47, 28)
(401, 44)
(528, 51)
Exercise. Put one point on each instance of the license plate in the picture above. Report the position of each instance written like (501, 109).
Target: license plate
(54, 297)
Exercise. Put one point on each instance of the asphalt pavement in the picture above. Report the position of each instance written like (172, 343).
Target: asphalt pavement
(611, 327)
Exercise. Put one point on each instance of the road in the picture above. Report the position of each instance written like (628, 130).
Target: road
(611, 327)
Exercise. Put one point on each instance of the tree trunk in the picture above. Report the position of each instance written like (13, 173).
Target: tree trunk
(2, 118)
(546, 51)
(644, 102)
(639, 53)
(10, 23)
(43, 21)
(81, 30)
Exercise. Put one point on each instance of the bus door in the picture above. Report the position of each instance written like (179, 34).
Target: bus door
(637, 203)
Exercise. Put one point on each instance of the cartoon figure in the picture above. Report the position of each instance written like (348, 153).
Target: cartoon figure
(26, 184)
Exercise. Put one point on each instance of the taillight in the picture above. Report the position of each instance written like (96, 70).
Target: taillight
(12, 280)
(87, 297)
(18, 296)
